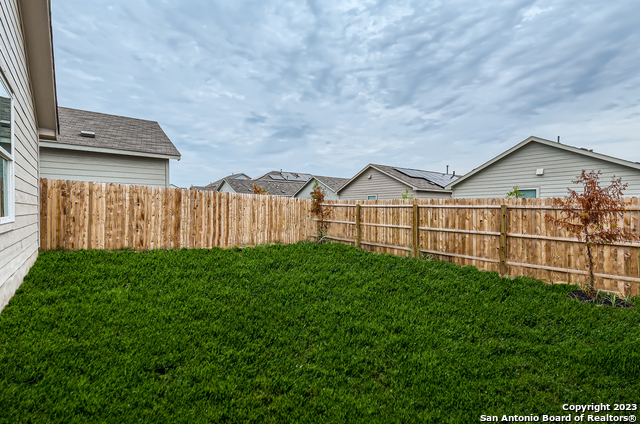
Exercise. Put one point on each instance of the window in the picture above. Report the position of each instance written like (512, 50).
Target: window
(6, 154)
(372, 197)
(530, 193)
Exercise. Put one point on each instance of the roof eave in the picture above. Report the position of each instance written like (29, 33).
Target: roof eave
(57, 145)
(36, 26)
(548, 143)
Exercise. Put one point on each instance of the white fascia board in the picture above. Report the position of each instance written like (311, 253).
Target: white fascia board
(309, 182)
(548, 143)
(363, 170)
(433, 191)
(223, 183)
(48, 144)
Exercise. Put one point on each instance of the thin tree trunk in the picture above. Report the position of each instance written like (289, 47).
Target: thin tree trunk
(592, 283)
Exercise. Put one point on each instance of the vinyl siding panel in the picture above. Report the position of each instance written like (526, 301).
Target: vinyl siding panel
(226, 188)
(19, 239)
(77, 165)
(430, 195)
(383, 186)
(305, 193)
(561, 167)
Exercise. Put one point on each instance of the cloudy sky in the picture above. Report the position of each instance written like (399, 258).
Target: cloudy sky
(326, 87)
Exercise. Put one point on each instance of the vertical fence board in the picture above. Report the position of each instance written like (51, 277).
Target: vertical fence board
(86, 215)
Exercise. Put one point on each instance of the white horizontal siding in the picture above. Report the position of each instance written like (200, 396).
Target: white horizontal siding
(383, 186)
(561, 167)
(19, 239)
(101, 167)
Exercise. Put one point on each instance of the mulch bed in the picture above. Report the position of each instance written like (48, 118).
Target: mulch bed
(600, 300)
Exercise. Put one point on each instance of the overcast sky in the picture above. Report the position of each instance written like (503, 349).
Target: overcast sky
(326, 87)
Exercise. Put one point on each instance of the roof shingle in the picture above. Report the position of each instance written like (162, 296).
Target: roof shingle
(275, 188)
(113, 132)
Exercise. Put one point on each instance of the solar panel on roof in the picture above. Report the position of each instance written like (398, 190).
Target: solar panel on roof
(276, 176)
(434, 177)
(288, 176)
(305, 177)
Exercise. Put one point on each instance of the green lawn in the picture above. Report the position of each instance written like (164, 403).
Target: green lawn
(300, 333)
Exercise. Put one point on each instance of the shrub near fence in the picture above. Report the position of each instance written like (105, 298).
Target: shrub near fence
(84, 215)
(509, 236)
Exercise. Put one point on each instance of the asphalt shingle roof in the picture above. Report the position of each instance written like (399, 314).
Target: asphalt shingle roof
(285, 175)
(419, 183)
(332, 182)
(113, 132)
(275, 188)
(214, 185)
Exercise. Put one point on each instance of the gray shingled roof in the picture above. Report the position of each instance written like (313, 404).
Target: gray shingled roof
(418, 183)
(216, 184)
(113, 132)
(295, 176)
(279, 188)
(333, 183)
(413, 182)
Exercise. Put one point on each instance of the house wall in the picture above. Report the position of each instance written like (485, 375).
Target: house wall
(560, 168)
(305, 193)
(226, 188)
(383, 186)
(19, 239)
(78, 165)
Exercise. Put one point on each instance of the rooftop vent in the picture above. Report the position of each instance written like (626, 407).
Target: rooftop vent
(91, 134)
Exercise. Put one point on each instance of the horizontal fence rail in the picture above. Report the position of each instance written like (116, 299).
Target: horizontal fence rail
(85, 215)
(509, 236)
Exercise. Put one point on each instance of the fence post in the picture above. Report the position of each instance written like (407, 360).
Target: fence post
(358, 232)
(416, 231)
(503, 240)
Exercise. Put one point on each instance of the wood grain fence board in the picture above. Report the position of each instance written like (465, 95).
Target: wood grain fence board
(43, 216)
(79, 215)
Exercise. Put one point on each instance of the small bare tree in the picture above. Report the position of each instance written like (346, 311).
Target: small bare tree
(319, 210)
(593, 215)
(259, 190)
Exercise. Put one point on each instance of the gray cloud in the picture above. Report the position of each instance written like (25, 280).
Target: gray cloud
(327, 87)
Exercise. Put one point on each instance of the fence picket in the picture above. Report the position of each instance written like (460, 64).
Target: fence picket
(79, 215)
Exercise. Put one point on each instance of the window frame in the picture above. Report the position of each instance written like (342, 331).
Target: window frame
(529, 189)
(369, 196)
(9, 157)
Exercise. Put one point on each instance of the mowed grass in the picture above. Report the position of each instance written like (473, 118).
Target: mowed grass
(300, 333)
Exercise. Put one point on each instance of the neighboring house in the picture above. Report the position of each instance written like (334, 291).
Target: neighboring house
(330, 185)
(275, 188)
(105, 148)
(542, 168)
(27, 112)
(284, 176)
(214, 185)
(388, 182)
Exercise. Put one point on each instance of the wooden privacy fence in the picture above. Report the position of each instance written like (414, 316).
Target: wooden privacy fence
(83, 215)
(510, 236)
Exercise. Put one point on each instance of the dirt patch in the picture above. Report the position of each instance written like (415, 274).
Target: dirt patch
(601, 299)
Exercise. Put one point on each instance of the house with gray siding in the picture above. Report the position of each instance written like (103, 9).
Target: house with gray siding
(543, 168)
(274, 188)
(27, 112)
(106, 148)
(388, 182)
(214, 185)
(330, 185)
